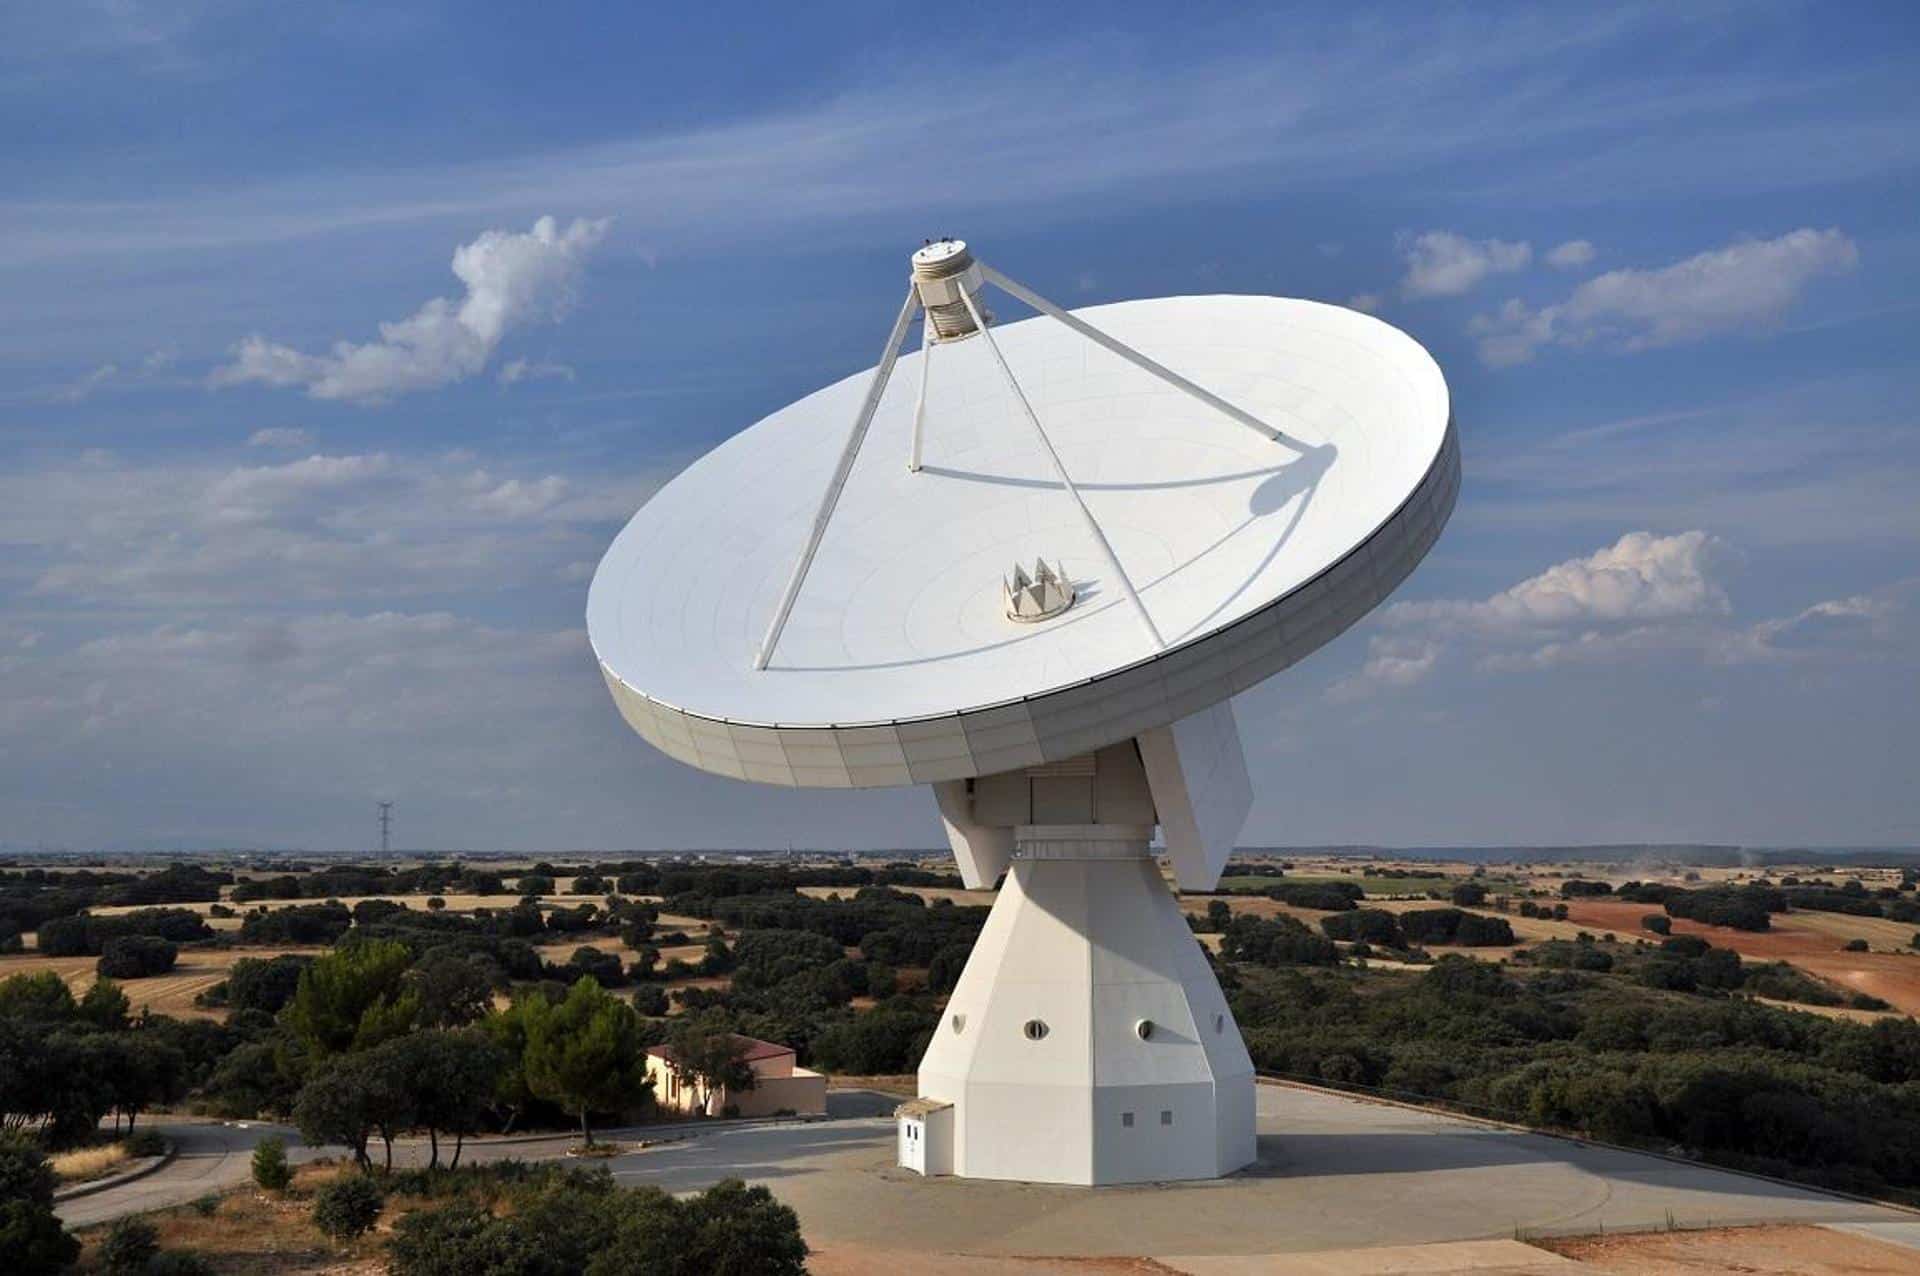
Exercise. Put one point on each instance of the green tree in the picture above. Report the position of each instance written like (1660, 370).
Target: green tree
(250, 1082)
(452, 988)
(137, 957)
(713, 1059)
(270, 1168)
(105, 1006)
(448, 1078)
(507, 1030)
(350, 1098)
(584, 1053)
(1468, 894)
(265, 984)
(352, 999)
(24, 1172)
(138, 1070)
(33, 1240)
(42, 997)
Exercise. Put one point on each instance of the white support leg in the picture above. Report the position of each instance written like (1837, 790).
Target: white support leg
(1060, 471)
(920, 401)
(1087, 1041)
(1127, 352)
(877, 388)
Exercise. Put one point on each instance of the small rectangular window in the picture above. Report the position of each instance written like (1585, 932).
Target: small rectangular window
(1166, 1116)
(1126, 1119)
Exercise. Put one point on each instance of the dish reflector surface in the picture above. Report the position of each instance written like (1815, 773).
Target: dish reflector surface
(903, 616)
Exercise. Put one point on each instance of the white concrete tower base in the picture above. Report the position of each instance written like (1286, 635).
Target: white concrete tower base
(1087, 1041)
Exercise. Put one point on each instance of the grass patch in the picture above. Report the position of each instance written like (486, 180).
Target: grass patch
(97, 1160)
(84, 1164)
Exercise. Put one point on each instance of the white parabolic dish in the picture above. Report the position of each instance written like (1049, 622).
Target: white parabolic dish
(899, 664)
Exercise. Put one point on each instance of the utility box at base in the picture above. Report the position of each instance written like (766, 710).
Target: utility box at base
(926, 1136)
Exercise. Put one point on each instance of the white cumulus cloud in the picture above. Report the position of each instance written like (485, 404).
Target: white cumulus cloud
(1441, 263)
(512, 279)
(1571, 255)
(1392, 663)
(1748, 284)
(1646, 597)
(1642, 576)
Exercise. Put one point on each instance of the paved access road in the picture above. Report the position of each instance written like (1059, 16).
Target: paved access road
(216, 1155)
(212, 1156)
(1335, 1172)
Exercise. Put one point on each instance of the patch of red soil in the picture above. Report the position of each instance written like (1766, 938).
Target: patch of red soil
(1773, 1250)
(1893, 977)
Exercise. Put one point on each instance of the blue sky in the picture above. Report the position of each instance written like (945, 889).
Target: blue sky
(252, 578)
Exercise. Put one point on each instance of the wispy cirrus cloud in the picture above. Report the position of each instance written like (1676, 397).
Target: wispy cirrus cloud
(324, 528)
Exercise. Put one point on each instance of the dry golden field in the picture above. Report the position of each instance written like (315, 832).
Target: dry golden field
(170, 994)
(1811, 940)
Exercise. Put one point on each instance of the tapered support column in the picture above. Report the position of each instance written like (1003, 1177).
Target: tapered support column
(1087, 1041)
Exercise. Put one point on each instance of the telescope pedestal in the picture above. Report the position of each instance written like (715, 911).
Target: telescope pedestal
(1087, 1040)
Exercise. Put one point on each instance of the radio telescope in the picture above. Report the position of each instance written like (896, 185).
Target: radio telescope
(1029, 566)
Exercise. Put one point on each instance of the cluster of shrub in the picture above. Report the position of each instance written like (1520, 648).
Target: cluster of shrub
(334, 881)
(795, 977)
(1261, 868)
(1546, 912)
(667, 877)
(1603, 1055)
(1417, 927)
(67, 1063)
(28, 897)
(1748, 906)
(90, 935)
(513, 1219)
(1283, 941)
(1337, 896)
(1688, 963)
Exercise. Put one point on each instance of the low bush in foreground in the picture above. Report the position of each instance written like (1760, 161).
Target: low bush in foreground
(349, 1206)
(574, 1220)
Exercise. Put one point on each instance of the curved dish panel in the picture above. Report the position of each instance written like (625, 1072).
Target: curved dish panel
(899, 665)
